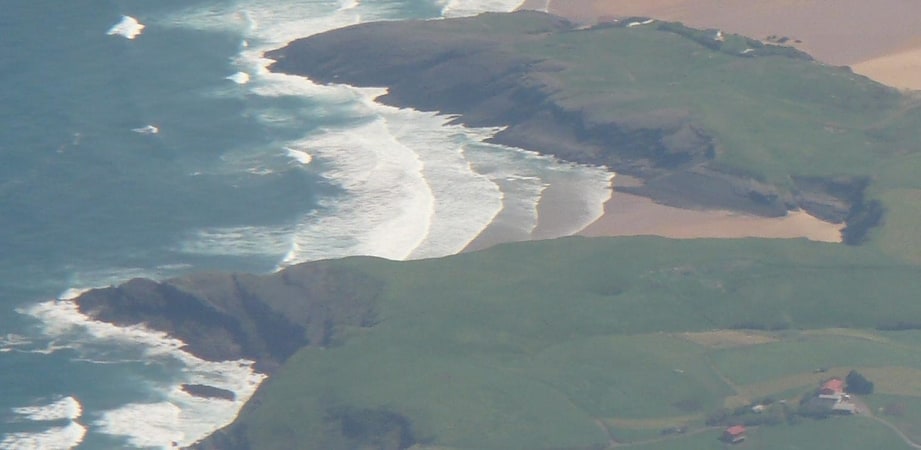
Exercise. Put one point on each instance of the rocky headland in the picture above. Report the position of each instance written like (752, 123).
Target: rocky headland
(223, 317)
(486, 81)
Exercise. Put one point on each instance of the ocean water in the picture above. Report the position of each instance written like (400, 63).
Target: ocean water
(148, 139)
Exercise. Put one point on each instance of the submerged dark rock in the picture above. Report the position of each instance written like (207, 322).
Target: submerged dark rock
(205, 391)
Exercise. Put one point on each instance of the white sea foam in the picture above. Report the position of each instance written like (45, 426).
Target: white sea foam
(239, 78)
(387, 204)
(189, 418)
(300, 156)
(11, 341)
(348, 4)
(67, 408)
(519, 175)
(586, 191)
(267, 23)
(636, 24)
(464, 201)
(462, 8)
(146, 129)
(181, 417)
(128, 27)
(56, 438)
(239, 241)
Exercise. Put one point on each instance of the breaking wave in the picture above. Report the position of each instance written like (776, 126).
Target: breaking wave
(411, 184)
(54, 437)
(177, 417)
(128, 27)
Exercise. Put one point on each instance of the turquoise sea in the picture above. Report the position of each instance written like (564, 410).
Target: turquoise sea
(147, 139)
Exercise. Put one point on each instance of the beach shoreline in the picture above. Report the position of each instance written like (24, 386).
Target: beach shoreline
(633, 215)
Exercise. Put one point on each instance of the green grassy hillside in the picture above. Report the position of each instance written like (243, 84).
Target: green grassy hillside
(577, 342)
(773, 115)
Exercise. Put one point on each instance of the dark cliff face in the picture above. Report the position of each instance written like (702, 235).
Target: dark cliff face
(227, 316)
(442, 66)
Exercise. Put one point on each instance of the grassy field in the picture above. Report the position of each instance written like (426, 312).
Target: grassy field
(901, 410)
(798, 355)
(830, 434)
(577, 342)
(847, 433)
(833, 122)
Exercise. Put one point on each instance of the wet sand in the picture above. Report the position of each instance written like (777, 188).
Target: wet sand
(632, 215)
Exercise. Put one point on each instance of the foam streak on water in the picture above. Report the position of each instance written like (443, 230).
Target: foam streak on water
(65, 408)
(238, 241)
(55, 438)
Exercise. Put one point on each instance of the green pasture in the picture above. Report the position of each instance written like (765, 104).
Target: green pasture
(798, 355)
(829, 434)
(774, 115)
(539, 345)
(902, 411)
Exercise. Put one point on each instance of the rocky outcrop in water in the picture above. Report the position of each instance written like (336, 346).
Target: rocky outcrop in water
(232, 316)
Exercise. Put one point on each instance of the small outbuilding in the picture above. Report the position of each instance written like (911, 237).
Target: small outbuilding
(734, 434)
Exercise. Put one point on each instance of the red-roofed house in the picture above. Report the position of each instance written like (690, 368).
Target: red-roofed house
(734, 434)
(833, 388)
(832, 397)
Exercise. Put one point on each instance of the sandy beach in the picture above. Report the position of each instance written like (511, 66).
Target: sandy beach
(631, 215)
(901, 69)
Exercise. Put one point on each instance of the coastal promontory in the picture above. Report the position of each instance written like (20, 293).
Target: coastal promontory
(704, 119)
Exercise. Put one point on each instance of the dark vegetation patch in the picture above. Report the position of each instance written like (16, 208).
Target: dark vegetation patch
(379, 429)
